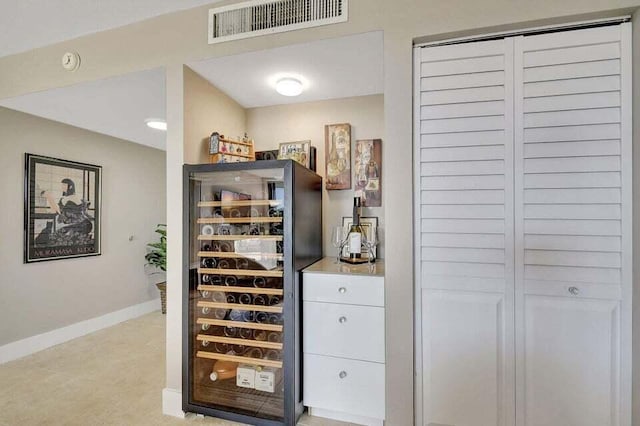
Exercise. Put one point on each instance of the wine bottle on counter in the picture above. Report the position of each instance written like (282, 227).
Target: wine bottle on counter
(355, 233)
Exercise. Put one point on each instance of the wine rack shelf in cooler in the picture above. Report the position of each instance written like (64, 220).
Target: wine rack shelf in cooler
(240, 237)
(242, 348)
(250, 325)
(231, 220)
(239, 359)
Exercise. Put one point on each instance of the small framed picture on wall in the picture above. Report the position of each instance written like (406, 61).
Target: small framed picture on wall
(368, 172)
(338, 156)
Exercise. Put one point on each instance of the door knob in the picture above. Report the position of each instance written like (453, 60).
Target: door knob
(342, 290)
(342, 320)
(574, 290)
(342, 374)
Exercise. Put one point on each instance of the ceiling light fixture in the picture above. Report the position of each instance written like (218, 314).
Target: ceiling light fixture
(156, 123)
(289, 86)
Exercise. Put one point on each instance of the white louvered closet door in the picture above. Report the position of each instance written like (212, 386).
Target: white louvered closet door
(464, 238)
(573, 227)
(523, 230)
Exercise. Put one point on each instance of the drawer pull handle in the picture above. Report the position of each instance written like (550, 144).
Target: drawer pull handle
(342, 290)
(574, 290)
(342, 320)
(342, 374)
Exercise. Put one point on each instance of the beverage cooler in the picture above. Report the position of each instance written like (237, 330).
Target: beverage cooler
(250, 228)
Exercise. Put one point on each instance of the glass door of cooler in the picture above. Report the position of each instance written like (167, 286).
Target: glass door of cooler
(236, 325)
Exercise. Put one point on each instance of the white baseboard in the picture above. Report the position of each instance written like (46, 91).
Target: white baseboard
(30, 345)
(172, 403)
(345, 417)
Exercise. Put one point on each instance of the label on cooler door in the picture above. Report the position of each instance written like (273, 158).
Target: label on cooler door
(265, 380)
(246, 376)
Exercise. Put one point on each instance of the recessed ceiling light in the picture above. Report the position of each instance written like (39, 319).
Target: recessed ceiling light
(289, 86)
(156, 123)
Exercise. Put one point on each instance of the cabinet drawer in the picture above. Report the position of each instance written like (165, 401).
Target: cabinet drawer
(354, 387)
(350, 289)
(343, 330)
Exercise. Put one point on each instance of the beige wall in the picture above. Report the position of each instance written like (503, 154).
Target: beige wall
(636, 224)
(269, 126)
(207, 109)
(179, 38)
(40, 297)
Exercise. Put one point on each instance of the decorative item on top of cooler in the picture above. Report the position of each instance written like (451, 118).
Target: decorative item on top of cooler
(358, 246)
(300, 151)
(267, 155)
(226, 150)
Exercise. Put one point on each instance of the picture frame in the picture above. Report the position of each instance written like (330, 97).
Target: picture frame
(300, 151)
(337, 141)
(62, 209)
(368, 172)
(369, 225)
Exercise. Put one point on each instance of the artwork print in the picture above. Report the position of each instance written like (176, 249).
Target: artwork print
(62, 209)
(368, 167)
(297, 151)
(338, 156)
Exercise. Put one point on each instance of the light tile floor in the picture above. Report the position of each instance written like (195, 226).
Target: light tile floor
(112, 377)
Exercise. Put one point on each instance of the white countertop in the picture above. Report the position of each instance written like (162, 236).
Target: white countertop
(328, 265)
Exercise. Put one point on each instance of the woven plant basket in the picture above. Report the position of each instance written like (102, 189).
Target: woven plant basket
(163, 296)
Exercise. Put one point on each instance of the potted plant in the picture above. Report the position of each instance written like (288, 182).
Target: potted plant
(157, 256)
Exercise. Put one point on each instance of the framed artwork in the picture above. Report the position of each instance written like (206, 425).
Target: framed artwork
(62, 203)
(337, 141)
(299, 151)
(369, 226)
(368, 168)
(267, 155)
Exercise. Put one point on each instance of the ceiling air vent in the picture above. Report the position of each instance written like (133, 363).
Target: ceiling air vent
(259, 17)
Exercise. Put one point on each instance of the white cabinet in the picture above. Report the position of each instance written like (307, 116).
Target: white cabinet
(343, 342)
(523, 230)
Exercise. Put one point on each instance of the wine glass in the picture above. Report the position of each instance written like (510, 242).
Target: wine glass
(337, 238)
(371, 242)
